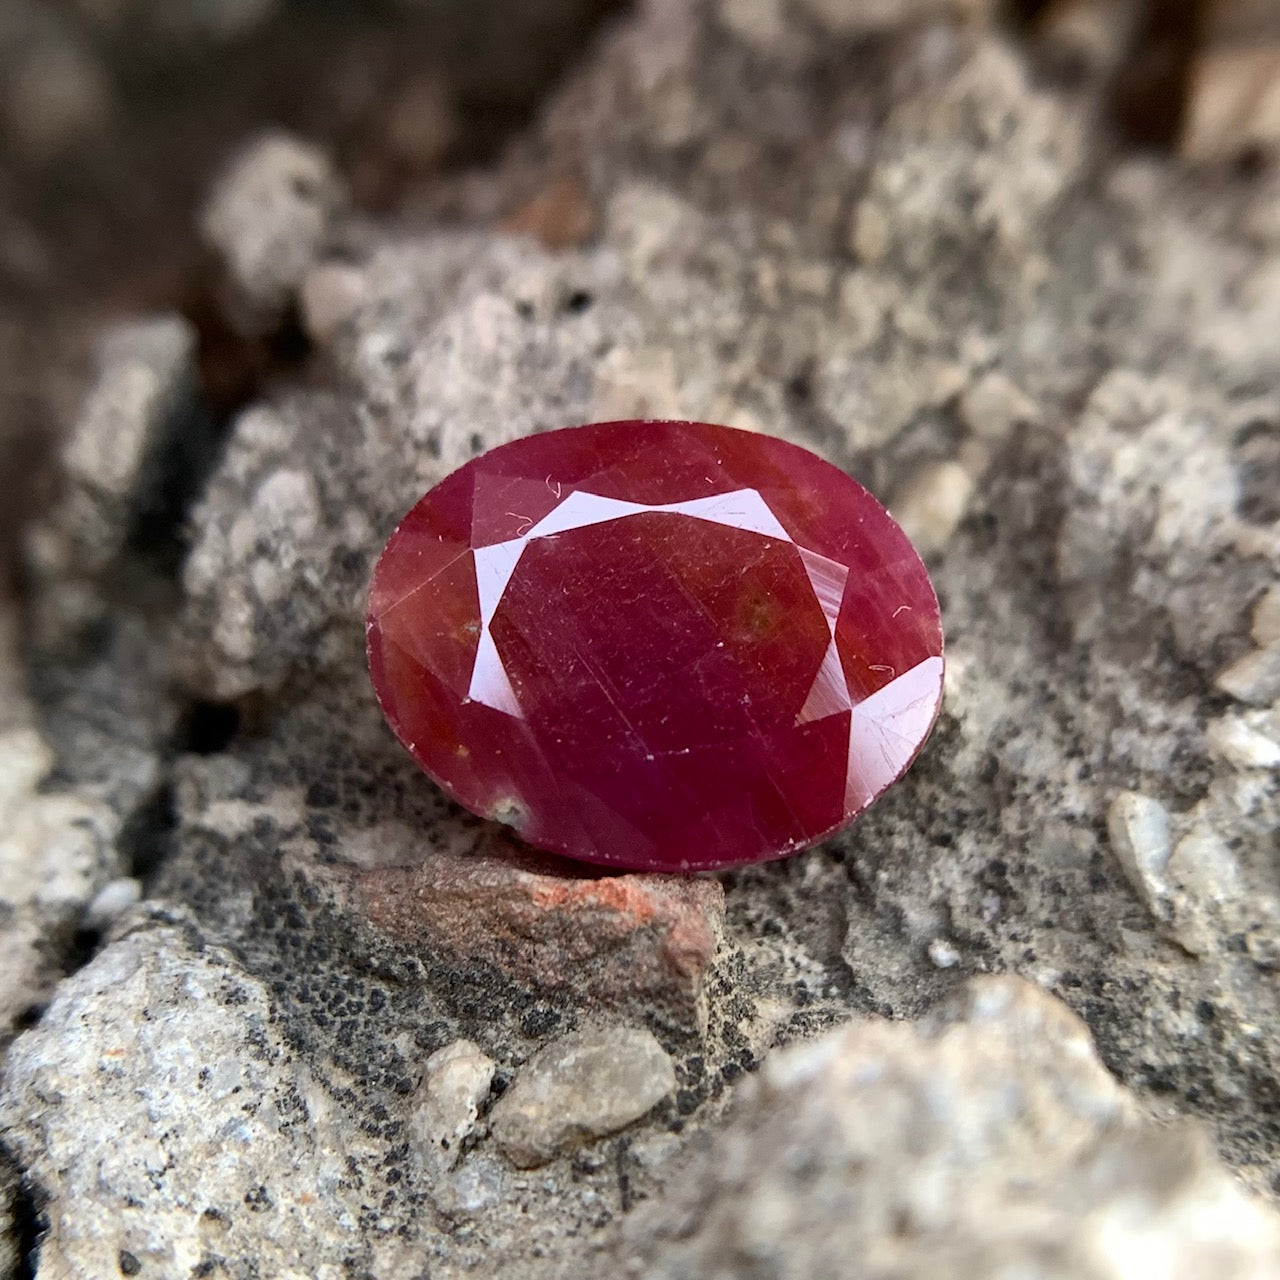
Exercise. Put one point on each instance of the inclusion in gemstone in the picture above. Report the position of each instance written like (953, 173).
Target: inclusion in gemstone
(661, 645)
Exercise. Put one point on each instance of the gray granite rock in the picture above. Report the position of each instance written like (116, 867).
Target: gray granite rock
(159, 1107)
(583, 1086)
(56, 851)
(986, 1141)
(160, 1114)
(299, 535)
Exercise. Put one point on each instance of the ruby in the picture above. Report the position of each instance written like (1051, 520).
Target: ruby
(660, 645)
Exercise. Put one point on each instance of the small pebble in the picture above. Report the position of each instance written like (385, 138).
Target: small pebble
(268, 219)
(455, 1084)
(993, 407)
(1254, 678)
(1142, 840)
(869, 233)
(932, 505)
(112, 901)
(863, 310)
(1240, 744)
(761, 23)
(1266, 620)
(331, 294)
(1234, 103)
(582, 1086)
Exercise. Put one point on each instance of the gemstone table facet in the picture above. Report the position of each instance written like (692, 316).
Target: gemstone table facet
(661, 645)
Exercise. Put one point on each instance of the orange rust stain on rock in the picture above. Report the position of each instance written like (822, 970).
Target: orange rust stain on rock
(624, 895)
(635, 942)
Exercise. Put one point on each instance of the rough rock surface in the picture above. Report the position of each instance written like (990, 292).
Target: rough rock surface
(59, 846)
(923, 276)
(10, 1252)
(167, 1106)
(167, 1118)
(897, 1145)
(891, 243)
(55, 851)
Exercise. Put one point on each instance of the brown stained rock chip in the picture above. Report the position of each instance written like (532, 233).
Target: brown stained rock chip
(1234, 103)
(624, 942)
(560, 216)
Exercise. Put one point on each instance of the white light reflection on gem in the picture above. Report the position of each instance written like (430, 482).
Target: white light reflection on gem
(740, 509)
(884, 728)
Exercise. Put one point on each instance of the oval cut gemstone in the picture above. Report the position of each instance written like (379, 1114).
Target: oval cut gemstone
(660, 645)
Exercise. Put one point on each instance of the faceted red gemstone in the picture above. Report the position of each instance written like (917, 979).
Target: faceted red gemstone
(658, 645)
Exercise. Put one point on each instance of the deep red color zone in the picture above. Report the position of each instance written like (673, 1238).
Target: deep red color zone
(727, 679)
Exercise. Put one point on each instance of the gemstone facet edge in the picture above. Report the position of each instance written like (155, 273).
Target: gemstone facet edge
(656, 645)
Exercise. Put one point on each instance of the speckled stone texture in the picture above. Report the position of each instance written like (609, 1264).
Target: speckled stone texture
(889, 243)
(893, 1144)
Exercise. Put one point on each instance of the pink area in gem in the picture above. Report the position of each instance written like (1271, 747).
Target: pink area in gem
(668, 646)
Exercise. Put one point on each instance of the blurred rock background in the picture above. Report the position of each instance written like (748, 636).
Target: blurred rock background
(272, 1006)
(115, 116)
